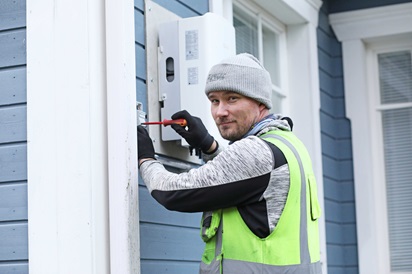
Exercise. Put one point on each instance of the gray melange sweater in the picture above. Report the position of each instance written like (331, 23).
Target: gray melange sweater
(251, 174)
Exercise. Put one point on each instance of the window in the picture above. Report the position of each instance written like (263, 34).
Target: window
(263, 36)
(378, 95)
(394, 107)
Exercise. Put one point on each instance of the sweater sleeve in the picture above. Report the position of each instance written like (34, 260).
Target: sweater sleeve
(239, 175)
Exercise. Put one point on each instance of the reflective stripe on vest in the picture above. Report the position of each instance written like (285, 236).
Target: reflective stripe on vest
(232, 266)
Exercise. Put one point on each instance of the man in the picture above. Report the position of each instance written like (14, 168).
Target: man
(259, 194)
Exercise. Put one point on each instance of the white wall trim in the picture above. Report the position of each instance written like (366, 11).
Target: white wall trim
(122, 137)
(356, 29)
(72, 75)
(374, 22)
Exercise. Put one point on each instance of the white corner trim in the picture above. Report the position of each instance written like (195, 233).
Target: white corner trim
(122, 137)
(81, 137)
(66, 137)
(373, 22)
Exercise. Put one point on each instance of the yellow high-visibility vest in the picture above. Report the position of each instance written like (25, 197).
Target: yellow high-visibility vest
(292, 247)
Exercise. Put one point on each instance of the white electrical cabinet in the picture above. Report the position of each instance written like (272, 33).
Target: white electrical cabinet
(188, 48)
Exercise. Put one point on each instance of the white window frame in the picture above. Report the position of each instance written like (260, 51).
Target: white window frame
(362, 33)
(301, 21)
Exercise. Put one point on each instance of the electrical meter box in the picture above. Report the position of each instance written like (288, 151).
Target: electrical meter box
(188, 48)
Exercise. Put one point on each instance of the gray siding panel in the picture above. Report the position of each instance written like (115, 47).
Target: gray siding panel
(170, 241)
(12, 14)
(13, 86)
(13, 241)
(183, 9)
(13, 163)
(14, 268)
(13, 124)
(13, 148)
(13, 48)
(13, 202)
(337, 161)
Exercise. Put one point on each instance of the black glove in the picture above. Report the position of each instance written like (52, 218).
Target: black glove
(196, 134)
(145, 147)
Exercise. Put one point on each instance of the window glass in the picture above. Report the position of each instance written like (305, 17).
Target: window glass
(395, 78)
(255, 35)
(246, 33)
(395, 75)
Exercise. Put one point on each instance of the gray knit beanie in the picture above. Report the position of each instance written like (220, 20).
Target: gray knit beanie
(243, 74)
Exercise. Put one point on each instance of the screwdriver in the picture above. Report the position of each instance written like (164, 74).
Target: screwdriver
(166, 122)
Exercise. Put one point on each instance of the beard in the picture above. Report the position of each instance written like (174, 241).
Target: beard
(232, 132)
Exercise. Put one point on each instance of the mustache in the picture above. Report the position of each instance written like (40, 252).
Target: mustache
(224, 120)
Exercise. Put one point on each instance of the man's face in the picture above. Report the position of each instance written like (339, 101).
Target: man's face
(235, 114)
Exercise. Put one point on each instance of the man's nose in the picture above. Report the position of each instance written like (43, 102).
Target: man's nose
(222, 110)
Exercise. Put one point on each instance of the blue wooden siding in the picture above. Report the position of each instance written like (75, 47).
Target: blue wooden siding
(347, 5)
(169, 241)
(336, 155)
(13, 145)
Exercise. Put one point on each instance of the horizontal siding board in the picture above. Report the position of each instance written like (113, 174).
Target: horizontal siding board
(331, 189)
(331, 85)
(341, 234)
(347, 192)
(348, 213)
(13, 242)
(13, 86)
(155, 213)
(14, 268)
(162, 242)
(349, 234)
(343, 270)
(139, 4)
(13, 163)
(13, 124)
(338, 128)
(140, 62)
(177, 8)
(141, 95)
(12, 14)
(341, 191)
(330, 168)
(151, 267)
(332, 211)
(339, 149)
(139, 27)
(334, 233)
(201, 6)
(13, 202)
(333, 106)
(13, 48)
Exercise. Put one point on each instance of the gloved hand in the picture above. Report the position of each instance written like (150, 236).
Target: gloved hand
(196, 134)
(144, 144)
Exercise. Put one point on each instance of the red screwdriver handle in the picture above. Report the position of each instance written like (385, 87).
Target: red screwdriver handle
(180, 122)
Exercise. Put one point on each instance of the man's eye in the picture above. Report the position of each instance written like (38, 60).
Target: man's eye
(233, 98)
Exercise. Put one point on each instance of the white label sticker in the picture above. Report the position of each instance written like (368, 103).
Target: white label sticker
(192, 45)
(193, 76)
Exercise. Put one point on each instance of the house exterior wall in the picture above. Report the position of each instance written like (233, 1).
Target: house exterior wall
(340, 206)
(169, 241)
(13, 145)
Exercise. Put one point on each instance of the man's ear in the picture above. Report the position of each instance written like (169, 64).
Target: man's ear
(261, 107)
